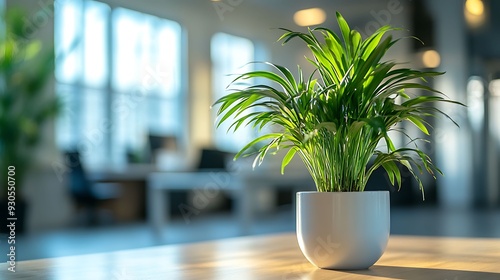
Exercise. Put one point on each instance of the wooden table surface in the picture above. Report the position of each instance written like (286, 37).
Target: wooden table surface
(271, 257)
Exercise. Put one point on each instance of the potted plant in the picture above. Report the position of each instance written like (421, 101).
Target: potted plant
(334, 120)
(24, 110)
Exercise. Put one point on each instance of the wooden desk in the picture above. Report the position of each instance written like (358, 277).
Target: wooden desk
(272, 257)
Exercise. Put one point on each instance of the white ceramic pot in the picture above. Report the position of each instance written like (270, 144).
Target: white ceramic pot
(343, 230)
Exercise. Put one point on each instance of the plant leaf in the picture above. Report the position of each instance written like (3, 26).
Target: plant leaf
(288, 157)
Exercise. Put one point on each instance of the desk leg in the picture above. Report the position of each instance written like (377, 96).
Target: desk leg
(244, 201)
(157, 207)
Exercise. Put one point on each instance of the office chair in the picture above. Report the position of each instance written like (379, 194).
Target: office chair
(213, 159)
(85, 193)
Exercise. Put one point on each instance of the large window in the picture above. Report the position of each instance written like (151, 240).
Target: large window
(230, 55)
(118, 74)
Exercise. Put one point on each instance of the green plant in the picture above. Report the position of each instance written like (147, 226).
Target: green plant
(335, 118)
(24, 107)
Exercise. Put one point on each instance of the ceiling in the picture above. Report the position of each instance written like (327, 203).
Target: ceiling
(484, 42)
(355, 11)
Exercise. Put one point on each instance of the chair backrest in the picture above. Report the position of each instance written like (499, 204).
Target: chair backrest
(159, 142)
(79, 185)
(213, 159)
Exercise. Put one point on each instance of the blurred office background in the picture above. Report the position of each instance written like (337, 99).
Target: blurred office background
(137, 80)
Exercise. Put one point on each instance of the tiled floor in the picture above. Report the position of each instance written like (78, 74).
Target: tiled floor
(412, 221)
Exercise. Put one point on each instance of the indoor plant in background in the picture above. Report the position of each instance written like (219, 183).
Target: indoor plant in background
(334, 119)
(24, 108)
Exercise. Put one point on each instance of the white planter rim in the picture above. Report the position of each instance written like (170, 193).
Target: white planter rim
(307, 192)
(343, 194)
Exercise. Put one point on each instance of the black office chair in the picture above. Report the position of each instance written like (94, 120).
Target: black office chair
(85, 193)
(213, 159)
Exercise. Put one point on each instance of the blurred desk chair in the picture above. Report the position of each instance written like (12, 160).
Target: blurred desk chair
(87, 194)
(213, 159)
(158, 143)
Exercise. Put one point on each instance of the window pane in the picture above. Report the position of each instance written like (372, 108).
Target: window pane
(93, 137)
(230, 55)
(138, 116)
(83, 123)
(127, 49)
(163, 116)
(68, 120)
(147, 53)
(169, 58)
(146, 79)
(80, 41)
(68, 20)
(129, 129)
(95, 46)
(143, 71)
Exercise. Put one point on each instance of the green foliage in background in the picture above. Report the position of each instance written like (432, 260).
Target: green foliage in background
(24, 106)
(335, 117)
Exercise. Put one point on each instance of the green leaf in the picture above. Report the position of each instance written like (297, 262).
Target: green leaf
(255, 141)
(388, 140)
(416, 121)
(288, 157)
(328, 125)
(267, 75)
(345, 30)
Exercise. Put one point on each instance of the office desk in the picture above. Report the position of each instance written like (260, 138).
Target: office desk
(271, 257)
(129, 172)
(206, 185)
(130, 205)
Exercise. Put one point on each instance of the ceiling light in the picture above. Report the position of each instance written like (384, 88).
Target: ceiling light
(474, 13)
(308, 17)
(475, 7)
(431, 59)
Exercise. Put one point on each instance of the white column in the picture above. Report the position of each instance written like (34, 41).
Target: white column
(452, 143)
